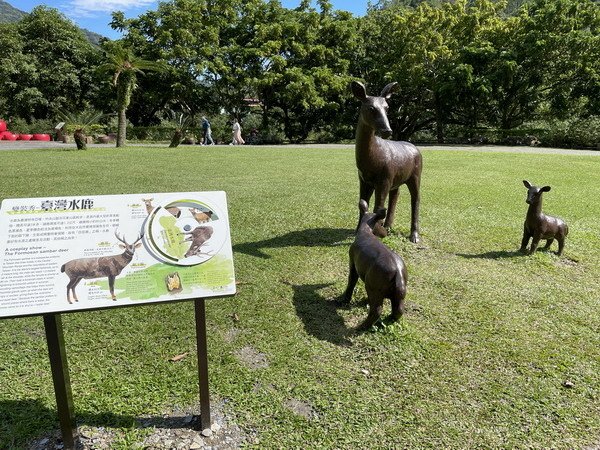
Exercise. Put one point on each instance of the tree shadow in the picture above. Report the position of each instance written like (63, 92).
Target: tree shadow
(491, 255)
(320, 315)
(314, 237)
(22, 421)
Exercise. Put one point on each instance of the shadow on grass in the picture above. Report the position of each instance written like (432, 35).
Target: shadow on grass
(314, 237)
(320, 315)
(22, 421)
(492, 255)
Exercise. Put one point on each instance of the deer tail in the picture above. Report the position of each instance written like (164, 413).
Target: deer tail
(62, 268)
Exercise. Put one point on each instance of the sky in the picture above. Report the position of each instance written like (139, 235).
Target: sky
(95, 14)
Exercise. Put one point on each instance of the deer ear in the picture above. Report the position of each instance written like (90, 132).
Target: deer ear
(363, 206)
(527, 184)
(545, 189)
(388, 90)
(122, 246)
(380, 214)
(359, 90)
(138, 245)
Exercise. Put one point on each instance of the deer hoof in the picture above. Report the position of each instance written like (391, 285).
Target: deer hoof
(414, 238)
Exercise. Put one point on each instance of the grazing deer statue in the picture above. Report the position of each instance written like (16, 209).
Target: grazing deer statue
(382, 270)
(103, 266)
(384, 165)
(540, 226)
(149, 207)
(198, 236)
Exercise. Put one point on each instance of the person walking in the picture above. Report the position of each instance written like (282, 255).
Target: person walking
(207, 132)
(237, 133)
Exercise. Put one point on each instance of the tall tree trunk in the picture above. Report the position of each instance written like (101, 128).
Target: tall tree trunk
(122, 128)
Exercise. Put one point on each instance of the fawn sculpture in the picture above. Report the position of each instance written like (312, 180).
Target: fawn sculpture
(382, 270)
(540, 226)
(103, 266)
(384, 165)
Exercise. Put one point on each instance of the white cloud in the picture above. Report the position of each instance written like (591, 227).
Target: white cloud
(89, 7)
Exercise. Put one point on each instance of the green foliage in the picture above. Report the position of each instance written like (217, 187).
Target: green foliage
(47, 66)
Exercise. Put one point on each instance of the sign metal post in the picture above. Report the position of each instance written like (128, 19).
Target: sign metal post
(60, 378)
(200, 310)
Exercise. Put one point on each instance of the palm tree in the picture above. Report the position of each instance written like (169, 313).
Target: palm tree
(124, 66)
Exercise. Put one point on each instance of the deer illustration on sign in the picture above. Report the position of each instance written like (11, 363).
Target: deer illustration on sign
(149, 207)
(98, 267)
(198, 236)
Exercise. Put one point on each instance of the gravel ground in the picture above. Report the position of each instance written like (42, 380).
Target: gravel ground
(177, 430)
(29, 145)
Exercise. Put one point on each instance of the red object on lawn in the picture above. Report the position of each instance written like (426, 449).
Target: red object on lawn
(41, 137)
(25, 137)
(8, 136)
(2, 125)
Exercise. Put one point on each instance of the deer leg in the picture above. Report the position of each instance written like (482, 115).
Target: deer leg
(69, 292)
(398, 303)
(381, 193)
(366, 191)
(375, 310)
(548, 243)
(534, 243)
(525, 241)
(393, 199)
(74, 286)
(352, 279)
(111, 286)
(413, 185)
(561, 244)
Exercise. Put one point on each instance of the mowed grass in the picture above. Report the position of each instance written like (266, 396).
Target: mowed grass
(496, 349)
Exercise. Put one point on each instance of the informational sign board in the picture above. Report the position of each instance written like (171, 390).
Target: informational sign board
(67, 254)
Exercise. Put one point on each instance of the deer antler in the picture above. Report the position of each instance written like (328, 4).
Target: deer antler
(119, 238)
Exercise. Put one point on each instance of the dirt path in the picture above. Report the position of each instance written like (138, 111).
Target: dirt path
(30, 145)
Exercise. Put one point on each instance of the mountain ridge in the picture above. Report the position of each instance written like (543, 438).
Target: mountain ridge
(10, 14)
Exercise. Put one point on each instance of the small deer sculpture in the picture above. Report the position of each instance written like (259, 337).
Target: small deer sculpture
(103, 266)
(382, 270)
(198, 236)
(149, 207)
(384, 165)
(540, 226)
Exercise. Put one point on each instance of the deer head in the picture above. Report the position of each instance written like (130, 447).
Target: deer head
(534, 193)
(370, 219)
(129, 248)
(373, 111)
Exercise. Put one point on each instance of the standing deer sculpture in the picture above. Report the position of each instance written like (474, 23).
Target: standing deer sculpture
(103, 266)
(385, 165)
(538, 225)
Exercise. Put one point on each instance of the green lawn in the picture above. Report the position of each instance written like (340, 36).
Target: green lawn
(480, 359)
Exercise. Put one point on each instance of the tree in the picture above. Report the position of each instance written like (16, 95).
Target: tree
(124, 66)
(48, 66)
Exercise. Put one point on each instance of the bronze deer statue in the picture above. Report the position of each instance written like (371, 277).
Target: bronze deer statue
(384, 165)
(103, 266)
(538, 225)
(382, 270)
